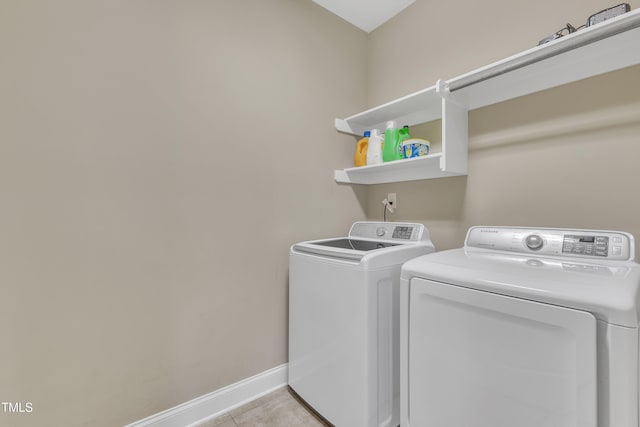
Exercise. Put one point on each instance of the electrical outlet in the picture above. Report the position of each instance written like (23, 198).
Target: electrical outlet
(391, 200)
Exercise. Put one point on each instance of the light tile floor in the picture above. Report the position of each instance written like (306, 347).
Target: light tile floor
(280, 408)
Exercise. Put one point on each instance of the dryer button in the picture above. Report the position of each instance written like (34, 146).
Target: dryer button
(534, 242)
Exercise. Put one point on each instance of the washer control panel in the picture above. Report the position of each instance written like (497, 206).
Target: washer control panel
(611, 245)
(401, 231)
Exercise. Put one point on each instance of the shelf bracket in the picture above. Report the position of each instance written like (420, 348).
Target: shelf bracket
(442, 89)
(454, 131)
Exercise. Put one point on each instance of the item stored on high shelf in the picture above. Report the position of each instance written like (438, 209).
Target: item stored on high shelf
(374, 149)
(403, 135)
(391, 141)
(360, 158)
(415, 147)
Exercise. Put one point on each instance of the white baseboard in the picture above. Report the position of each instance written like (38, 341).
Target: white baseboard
(218, 402)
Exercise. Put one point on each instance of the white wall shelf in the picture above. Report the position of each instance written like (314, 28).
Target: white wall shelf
(609, 46)
(605, 47)
(425, 167)
(419, 107)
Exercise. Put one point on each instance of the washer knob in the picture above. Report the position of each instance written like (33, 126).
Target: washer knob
(380, 231)
(534, 242)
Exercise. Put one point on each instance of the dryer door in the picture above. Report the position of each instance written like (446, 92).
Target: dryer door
(478, 359)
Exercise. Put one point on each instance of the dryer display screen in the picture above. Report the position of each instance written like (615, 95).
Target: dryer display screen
(586, 245)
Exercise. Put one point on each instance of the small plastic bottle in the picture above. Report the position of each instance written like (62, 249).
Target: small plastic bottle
(360, 158)
(374, 150)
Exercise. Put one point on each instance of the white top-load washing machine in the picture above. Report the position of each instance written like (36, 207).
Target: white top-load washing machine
(522, 327)
(344, 321)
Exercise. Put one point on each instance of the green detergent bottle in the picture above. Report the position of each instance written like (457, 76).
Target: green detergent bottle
(403, 135)
(390, 151)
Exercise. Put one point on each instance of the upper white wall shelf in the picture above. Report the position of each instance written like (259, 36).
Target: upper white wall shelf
(419, 107)
(601, 48)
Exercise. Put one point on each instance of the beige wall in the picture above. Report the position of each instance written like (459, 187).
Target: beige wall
(565, 157)
(157, 158)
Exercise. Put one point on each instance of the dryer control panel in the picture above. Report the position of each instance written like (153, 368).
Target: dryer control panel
(610, 245)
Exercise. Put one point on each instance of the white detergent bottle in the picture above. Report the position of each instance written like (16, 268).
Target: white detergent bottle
(374, 150)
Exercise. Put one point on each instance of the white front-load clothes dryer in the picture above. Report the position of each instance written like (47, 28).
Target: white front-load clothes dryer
(522, 327)
(344, 321)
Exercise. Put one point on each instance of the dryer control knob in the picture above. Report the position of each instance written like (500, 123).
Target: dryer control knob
(534, 242)
(380, 231)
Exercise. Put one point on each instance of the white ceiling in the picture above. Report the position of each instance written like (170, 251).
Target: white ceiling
(365, 14)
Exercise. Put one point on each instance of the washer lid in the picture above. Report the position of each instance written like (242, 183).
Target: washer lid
(346, 248)
(374, 244)
(355, 244)
(608, 289)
